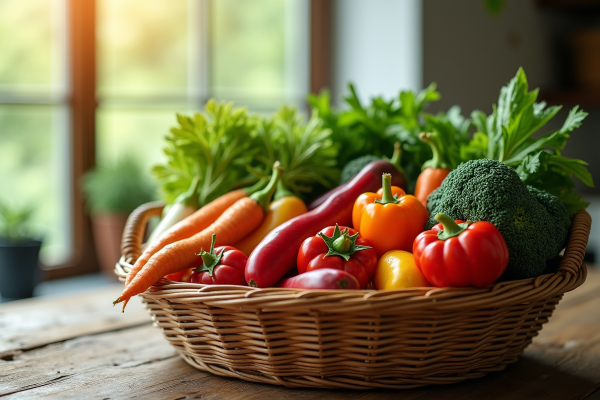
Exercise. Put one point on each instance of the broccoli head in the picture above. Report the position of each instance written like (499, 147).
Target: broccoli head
(353, 167)
(534, 223)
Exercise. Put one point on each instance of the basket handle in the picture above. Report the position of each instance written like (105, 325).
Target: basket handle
(133, 234)
(578, 239)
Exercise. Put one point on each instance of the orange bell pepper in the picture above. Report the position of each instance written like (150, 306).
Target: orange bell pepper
(390, 220)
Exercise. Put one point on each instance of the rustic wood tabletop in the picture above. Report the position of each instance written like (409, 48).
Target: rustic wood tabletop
(79, 347)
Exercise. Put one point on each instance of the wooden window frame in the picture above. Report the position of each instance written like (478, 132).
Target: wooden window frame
(83, 105)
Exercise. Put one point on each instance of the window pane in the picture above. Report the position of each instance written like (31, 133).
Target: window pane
(34, 170)
(142, 47)
(258, 50)
(136, 133)
(32, 60)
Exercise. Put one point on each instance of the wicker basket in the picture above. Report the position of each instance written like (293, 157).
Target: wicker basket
(354, 339)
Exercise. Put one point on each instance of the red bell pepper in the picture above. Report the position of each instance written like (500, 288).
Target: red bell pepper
(325, 278)
(458, 253)
(339, 248)
(224, 265)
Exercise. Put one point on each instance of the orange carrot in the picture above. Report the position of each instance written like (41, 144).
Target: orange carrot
(235, 223)
(187, 227)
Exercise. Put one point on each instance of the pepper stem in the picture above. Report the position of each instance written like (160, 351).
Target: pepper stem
(397, 157)
(386, 185)
(437, 161)
(282, 191)
(451, 228)
(263, 197)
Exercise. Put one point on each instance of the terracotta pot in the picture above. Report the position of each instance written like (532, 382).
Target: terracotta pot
(19, 268)
(108, 229)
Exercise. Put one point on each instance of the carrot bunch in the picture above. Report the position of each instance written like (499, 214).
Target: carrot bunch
(231, 217)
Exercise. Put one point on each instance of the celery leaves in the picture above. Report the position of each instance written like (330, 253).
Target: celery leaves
(511, 135)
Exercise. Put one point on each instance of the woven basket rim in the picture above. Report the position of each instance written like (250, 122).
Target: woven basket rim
(570, 274)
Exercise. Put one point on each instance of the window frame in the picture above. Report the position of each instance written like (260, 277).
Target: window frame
(83, 104)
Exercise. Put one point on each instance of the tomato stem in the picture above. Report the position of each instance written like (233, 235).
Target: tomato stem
(210, 260)
(341, 243)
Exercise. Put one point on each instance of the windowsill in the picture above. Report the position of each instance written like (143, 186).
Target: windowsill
(75, 284)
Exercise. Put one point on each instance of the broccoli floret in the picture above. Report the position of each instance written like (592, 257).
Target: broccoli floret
(353, 167)
(535, 224)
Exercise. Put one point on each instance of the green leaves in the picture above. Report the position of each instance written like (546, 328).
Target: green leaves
(511, 135)
(15, 221)
(373, 128)
(305, 150)
(215, 145)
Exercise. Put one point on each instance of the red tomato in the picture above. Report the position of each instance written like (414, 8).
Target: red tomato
(339, 248)
(224, 265)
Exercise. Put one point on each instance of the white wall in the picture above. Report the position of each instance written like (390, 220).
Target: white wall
(377, 46)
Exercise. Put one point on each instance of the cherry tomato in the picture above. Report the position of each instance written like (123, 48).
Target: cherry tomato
(224, 265)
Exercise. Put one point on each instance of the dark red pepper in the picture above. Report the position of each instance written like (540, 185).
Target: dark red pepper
(224, 265)
(325, 278)
(276, 254)
(376, 168)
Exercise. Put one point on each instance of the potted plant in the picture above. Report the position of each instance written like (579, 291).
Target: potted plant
(19, 252)
(112, 192)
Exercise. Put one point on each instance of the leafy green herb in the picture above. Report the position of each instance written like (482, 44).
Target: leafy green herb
(507, 135)
(15, 222)
(374, 128)
(304, 149)
(215, 145)
(451, 132)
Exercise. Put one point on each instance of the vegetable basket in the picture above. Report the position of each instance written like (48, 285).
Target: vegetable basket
(354, 339)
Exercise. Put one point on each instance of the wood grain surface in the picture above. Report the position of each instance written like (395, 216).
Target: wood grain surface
(79, 347)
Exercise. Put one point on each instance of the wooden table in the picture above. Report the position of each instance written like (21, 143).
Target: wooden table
(80, 347)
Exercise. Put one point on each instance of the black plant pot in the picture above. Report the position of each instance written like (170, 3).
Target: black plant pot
(19, 268)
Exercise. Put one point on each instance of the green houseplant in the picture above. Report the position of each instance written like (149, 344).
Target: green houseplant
(19, 252)
(113, 191)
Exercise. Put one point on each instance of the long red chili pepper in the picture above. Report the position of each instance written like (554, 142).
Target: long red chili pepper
(276, 254)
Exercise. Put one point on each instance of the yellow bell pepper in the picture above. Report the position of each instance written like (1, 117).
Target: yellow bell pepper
(279, 211)
(396, 269)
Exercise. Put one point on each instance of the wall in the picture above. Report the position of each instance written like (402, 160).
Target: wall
(377, 46)
(470, 54)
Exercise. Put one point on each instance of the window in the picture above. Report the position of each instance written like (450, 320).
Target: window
(34, 118)
(93, 81)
